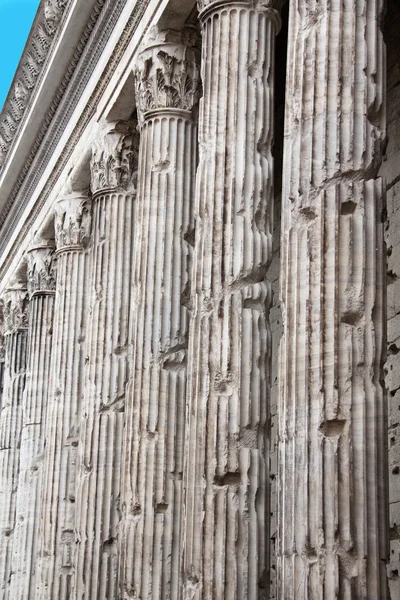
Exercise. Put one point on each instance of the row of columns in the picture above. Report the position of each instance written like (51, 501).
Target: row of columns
(134, 424)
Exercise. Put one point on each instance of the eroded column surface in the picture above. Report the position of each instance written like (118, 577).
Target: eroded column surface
(58, 502)
(41, 289)
(226, 474)
(2, 356)
(168, 85)
(15, 310)
(332, 480)
(114, 166)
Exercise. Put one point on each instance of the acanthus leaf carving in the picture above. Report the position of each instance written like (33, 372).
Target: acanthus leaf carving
(41, 269)
(72, 222)
(115, 158)
(15, 309)
(168, 74)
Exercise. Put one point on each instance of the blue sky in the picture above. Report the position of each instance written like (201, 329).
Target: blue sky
(16, 17)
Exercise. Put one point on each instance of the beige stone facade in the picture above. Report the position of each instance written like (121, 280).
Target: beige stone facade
(199, 307)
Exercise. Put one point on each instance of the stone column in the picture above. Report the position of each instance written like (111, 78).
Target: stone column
(2, 356)
(58, 503)
(168, 85)
(41, 288)
(226, 473)
(114, 166)
(332, 512)
(15, 310)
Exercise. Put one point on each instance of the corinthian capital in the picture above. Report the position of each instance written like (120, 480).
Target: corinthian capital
(72, 221)
(115, 158)
(167, 74)
(15, 309)
(41, 270)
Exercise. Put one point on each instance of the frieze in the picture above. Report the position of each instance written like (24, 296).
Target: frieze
(167, 74)
(63, 105)
(28, 72)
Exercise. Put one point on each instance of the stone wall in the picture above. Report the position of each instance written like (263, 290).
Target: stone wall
(391, 170)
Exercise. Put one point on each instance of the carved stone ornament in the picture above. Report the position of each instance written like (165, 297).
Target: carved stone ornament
(72, 222)
(41, 270)
(29, 69)
(15, 309)
(115, 158)
(167, 74)
(274, 7)
(53, 10)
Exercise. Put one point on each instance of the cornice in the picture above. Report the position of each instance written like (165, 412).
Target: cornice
(50, 127)
(38, 159)
(44, 32)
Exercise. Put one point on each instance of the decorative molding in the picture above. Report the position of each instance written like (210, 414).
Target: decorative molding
(115, 158)
(72, 222)
(52, 128)
(15, 309)
(41, 270)
(28, 72)
(274, 7)
(168, 73)
(37, 160)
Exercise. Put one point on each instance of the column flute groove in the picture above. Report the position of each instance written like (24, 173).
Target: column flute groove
(168, 86)
(332, 511)
(41, 289)
(58, 502)
(15, 310)
(226, 472)
(114, 168)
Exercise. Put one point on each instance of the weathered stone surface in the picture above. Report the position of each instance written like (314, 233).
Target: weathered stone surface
(15, 307)
(155, 410)
(391, 171)
(114, 167)
(58, 503)
(332, 503)
(162, 447)
(226, 458)
(41, 289)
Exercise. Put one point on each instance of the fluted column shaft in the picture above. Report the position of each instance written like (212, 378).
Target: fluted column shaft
(58, 501)
(15, 342)
(114, 164)
(332, 514)
(41, 288)
(154, 441)
(2, 358)
(226, 473)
